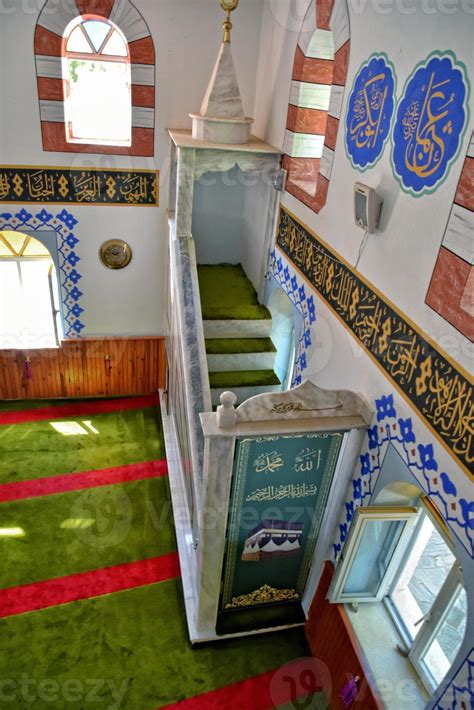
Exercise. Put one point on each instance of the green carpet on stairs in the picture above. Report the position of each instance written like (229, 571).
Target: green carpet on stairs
(227, 294)
(246, 378)
(136, 640)
(37, 449)
(228, 346)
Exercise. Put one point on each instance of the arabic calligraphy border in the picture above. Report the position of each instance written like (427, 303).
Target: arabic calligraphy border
(360, 281)
(390, 65)
(423, 64)
(62, 224)
(69, 171)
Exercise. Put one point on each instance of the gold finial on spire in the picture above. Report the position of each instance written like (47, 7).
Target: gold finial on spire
(228, 6)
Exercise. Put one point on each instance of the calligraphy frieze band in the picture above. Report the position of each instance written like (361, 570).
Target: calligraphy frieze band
(79, 186)
(435, 386)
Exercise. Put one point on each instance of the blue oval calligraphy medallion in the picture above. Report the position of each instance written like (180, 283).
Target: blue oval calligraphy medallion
(370, 111)
(430, 123)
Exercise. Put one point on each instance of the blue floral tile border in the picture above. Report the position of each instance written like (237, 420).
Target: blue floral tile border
(62, 224)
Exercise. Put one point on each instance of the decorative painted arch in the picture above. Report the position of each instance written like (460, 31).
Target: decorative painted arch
(317, 90)
(50, 28)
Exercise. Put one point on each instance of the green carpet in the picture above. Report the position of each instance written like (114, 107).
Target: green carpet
(138, 638)
(247, 378)
(227, 346)
(227, 294)
(36, 449)
(85, 530)
(128, 650)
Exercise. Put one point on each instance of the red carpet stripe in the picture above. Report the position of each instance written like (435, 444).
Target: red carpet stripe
(85, 479)
(78, 409)
(255, 693)
(41, 595)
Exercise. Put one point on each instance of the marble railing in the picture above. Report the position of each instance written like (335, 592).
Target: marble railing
(188, 385)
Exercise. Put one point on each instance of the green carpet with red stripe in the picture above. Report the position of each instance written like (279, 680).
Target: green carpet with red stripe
(91, 610)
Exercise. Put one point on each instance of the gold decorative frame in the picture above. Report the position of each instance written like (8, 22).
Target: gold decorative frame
(115, 260)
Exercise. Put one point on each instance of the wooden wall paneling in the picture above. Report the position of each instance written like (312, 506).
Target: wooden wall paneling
(78, 368)
(332, 641)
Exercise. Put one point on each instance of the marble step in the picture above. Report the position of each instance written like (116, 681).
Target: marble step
(244, 384)
(237, 328)
(230, 354)
(241, 361)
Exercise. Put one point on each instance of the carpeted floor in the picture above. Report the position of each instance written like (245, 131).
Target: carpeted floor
(91, 610)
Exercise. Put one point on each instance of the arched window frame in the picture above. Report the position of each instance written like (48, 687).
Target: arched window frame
(329, 16)
(50, 29)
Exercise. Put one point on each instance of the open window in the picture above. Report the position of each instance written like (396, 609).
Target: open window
(29, 294)
(403, 557)
(97, 81)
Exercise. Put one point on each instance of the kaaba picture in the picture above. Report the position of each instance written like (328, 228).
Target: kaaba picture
(273, 539)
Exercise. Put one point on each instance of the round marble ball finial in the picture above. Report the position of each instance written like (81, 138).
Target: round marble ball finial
(228, 400)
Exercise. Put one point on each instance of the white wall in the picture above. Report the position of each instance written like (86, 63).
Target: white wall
(399, 259)
(187, 35)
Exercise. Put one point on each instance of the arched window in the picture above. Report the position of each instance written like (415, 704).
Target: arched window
(97, 81)
(79, 46)
(29, 294)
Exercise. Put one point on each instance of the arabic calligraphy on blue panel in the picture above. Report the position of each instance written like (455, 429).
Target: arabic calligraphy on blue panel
(430, 123)
(370, 111)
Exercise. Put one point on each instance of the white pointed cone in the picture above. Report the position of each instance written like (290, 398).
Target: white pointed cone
(222, 97)
(222, 118)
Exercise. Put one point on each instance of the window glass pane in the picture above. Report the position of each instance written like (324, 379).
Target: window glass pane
(36, 318)
(26, 319)
(77, 42)
(35, 248)
(4, 250)
(115, 46)
(10, 298)
(424, 573)
(376, 547)
(99, 107)
(442, 652)
(96, 31)
(15, 240)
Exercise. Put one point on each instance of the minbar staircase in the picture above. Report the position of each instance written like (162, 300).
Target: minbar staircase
(240, 352)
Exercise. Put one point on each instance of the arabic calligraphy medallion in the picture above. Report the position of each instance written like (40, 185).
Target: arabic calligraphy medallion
(430, 123)
(370, 111)
(115, 254)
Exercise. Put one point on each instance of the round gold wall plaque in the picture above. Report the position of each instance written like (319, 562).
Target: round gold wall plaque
(115, 254)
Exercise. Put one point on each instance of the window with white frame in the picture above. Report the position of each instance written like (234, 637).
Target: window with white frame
(97, 80)
(29, 294)
(403, 558)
